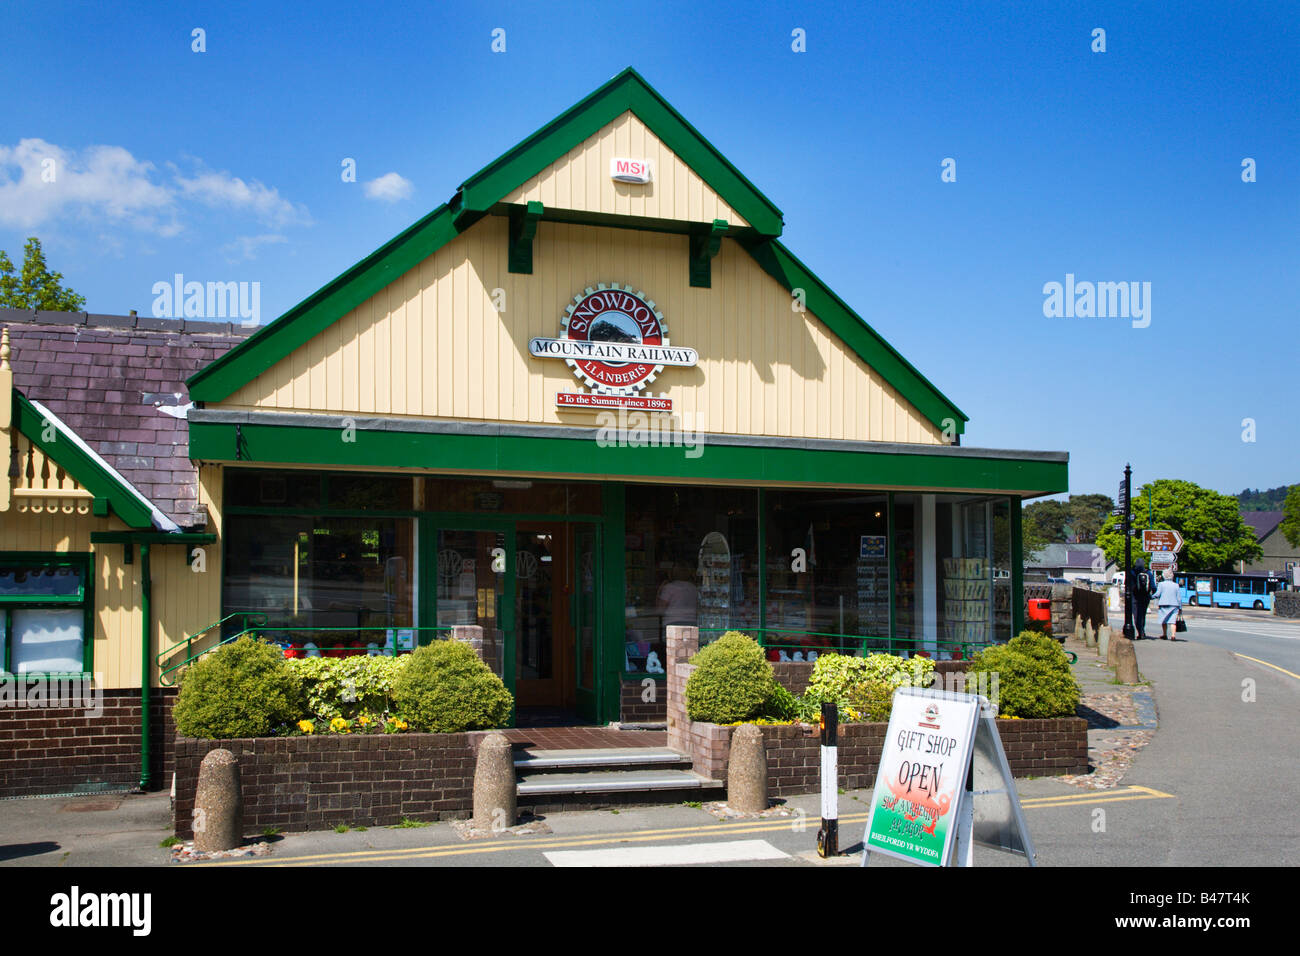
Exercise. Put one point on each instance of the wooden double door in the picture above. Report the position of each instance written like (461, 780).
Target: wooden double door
(534, 586)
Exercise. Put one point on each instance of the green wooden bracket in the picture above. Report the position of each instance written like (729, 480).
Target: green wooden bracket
(523, 227)
(704, 246)
(99, 507)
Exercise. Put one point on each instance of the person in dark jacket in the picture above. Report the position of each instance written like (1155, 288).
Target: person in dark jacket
(1141, 586)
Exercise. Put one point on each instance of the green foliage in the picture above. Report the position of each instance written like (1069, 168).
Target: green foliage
(1055, 522)
(1270, 500)
(348, 686)
(782, 705)
(1215, 537)
(35, 287)
(1291, 517)
(445, 688)
(1033, 675)
(732, 680)
(862, 687)
(243, 689)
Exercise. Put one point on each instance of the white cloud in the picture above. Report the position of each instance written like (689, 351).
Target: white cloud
(389, 187)
(220, 189)
(41, 182)
(244, 248)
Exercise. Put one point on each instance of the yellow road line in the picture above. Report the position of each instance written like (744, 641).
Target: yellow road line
(1267, 664)
(629, 836)
(644, 836)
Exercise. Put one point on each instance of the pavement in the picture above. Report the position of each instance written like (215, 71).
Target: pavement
(1193, 767)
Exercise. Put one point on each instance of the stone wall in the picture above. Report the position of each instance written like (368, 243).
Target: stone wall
(314, 783)
(1286, 603)
(66, 749)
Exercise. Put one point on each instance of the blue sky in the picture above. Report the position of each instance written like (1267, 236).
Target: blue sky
(1117, 166)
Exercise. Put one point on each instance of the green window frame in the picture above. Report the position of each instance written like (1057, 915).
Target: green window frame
(84, 598)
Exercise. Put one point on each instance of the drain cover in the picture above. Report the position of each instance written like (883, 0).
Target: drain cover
(87, 805)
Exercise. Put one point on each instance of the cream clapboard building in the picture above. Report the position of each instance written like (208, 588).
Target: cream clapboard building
(591, 396)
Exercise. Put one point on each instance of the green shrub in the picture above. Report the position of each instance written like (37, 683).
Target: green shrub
(243, 689)
(1033, 677)
(782, 705)
(348, 686)
(837, 677)
(872, 701)
(445, 688)
(732, 680)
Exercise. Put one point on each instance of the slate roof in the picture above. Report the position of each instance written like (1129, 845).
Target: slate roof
(1262, 521)
(110, 377)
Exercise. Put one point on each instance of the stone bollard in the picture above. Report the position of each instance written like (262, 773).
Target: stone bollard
(218, 804)
(747, 771)
(1103, 640)
(495, 791)
(1115, 638)
(1078, 627)
(1126, 662)
(1089, 635)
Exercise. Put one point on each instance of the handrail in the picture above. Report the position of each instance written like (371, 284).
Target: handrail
(853, 641)
(262, 629)
(188, 642)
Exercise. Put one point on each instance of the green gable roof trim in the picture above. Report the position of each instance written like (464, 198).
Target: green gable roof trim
(482, 191)
(88, 471)
(626, 92)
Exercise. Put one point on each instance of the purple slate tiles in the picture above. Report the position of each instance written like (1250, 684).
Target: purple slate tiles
(109, 381)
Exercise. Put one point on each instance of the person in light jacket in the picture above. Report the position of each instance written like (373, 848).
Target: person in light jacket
(1169, 603)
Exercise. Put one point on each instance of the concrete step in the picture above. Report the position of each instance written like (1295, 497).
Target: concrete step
(613, 781)
(606, 758)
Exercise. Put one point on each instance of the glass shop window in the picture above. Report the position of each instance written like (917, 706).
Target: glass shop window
(827, 573)
(691, 560)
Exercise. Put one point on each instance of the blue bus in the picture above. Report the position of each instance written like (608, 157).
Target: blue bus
(1228, 590)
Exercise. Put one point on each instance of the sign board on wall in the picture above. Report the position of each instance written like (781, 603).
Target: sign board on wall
(624, 170)
(616, 342)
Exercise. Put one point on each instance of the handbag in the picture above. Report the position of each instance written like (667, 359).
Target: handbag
(1180, 625)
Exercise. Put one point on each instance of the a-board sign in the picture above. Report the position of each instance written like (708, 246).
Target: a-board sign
(944, 783)
(922, 772)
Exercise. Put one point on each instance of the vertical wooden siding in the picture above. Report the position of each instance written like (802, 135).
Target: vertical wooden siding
(580, 180)
(432, 344)
(183, 601)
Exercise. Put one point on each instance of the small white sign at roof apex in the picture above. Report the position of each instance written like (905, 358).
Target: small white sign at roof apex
(624, 170)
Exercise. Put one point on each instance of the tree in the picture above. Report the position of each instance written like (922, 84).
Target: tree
(1291, 517)
(1215, 537)
(1045, 521)
(36, 287)
(1087, 515)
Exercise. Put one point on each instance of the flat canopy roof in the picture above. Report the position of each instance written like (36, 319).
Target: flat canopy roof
(272, 439)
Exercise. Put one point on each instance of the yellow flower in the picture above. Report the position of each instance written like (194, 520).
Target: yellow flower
(363, 720)
(338, 724)
(306, 726)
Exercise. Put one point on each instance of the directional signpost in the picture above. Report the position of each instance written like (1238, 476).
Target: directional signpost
(1158, 541)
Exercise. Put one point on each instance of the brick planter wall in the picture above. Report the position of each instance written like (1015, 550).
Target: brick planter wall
(313, 783)
(633, 710)
(65, 749)
(1033, 747)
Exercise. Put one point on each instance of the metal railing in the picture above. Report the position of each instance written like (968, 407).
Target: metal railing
(822, 642)
(393, 643)
(248, 619)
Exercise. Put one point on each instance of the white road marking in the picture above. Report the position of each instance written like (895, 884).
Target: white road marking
(683, 855)
(1260, 629)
